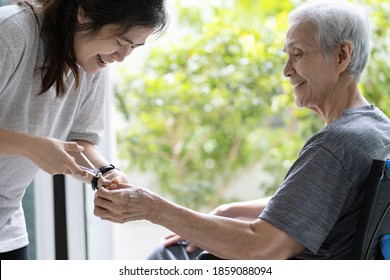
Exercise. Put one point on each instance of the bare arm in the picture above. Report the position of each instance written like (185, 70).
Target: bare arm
(225, 237)
(98, 160)
(245, 210)
(228, 238)
(50, 155)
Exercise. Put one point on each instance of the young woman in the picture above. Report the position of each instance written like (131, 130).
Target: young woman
(53, 54)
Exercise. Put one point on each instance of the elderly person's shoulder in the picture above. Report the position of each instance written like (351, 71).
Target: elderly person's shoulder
(363, 118)
(364, 129)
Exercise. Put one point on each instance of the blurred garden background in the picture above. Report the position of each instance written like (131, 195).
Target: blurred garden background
(208, 104)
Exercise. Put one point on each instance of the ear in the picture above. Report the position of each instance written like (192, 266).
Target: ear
(344, 53)
(81, 17)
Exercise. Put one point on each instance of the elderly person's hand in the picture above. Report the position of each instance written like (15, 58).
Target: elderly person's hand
(112, 179)
(120, 203)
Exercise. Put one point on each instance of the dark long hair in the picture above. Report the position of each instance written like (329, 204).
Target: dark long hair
(59, 25)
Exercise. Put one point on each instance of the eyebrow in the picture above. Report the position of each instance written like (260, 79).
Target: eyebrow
(290, 45)
(131, 42)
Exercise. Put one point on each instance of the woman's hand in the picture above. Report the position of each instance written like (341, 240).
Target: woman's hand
(51, 155)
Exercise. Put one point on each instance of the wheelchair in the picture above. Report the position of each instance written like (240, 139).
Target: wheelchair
(372, 238)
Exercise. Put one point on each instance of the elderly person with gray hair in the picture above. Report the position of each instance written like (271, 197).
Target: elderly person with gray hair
(314, 213)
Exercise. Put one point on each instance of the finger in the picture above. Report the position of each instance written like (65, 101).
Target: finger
(102, 193)
(191, 248)
(116, 180)
(104, 214)
(76, 170)
(112, 187)
(104, 182)
(113, 184)
(170, 235)
(99, 211)
(79, 171)
(172, 240)
(73, 147)
(123, 186)
(101, 207)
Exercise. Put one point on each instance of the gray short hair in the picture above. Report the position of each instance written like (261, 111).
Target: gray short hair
(336, 22)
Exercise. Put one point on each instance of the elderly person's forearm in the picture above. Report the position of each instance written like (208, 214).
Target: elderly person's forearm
(218, 235)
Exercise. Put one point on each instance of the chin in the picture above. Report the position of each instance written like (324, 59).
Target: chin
(299, 103)
(302, 101)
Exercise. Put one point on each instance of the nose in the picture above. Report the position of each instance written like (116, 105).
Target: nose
(122, 53)
(288, 69)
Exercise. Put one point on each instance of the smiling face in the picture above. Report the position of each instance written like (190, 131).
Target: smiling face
(94, 53)
(312, 76)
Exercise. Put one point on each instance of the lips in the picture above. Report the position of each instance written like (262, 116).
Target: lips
(102, 60)
(297, 84)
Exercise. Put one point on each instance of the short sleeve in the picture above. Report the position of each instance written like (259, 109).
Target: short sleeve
(88, 124)
(309, 202)
(6, 64)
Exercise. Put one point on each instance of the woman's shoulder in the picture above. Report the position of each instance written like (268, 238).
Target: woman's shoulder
(11, 15)
(19, 32)
(17, 24)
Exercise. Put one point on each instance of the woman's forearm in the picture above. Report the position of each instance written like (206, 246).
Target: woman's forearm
(13, 143)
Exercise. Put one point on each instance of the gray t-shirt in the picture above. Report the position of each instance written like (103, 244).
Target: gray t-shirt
(319, 201)
(78, 115)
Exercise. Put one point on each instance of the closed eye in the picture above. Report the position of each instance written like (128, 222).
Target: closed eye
(133, 46)
(297, 53)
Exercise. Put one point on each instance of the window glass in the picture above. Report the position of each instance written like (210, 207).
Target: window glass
(29, 212)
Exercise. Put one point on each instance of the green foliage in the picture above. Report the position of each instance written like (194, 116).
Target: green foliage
(376, 79)
(213, 104)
